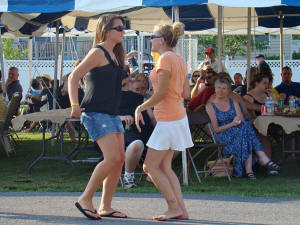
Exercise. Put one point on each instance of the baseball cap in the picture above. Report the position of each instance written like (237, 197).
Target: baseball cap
(260, 56)
(47, 76)
(209, 50)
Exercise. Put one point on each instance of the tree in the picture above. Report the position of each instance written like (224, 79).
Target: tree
(12, 52)
(206, 41)
(232, 45)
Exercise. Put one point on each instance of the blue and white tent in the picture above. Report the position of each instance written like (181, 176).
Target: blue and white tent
(30, 17)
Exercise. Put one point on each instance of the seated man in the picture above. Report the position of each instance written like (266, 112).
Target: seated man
(134, 141)
(203, 96)
(13, 84)
(287, 86)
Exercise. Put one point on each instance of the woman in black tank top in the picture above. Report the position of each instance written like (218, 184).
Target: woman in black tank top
(99, 110)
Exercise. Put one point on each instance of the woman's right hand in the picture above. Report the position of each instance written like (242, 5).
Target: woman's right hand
(236, 121)
(127, 119)
(76, 111)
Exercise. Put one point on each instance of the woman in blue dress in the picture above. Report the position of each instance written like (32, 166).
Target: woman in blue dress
(238, 135)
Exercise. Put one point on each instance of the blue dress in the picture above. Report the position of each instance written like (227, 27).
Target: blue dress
(240, 140)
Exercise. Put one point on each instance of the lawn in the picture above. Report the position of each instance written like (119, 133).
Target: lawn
(52, 176)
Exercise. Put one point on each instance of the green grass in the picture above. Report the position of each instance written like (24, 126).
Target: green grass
(52, 176)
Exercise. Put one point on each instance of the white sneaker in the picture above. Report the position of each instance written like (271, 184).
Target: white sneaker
(128, 182)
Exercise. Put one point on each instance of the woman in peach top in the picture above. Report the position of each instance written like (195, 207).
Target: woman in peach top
(171, 133)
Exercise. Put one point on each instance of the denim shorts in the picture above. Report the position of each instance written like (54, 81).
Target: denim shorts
(100, 124)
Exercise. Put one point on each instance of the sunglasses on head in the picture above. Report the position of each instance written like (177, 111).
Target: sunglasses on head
(118, 28)
(154, 36)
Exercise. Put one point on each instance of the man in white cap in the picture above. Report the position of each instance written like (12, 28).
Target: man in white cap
(211, 62)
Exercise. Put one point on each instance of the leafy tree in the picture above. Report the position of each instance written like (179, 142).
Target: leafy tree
(232, 45)
(12, 52)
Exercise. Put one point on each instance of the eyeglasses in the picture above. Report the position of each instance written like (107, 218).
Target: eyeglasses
(118, 28)
(140, 89)
(196, 76)
(155, 36)
(207, 77)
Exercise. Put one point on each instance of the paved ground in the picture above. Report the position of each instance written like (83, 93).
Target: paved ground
(58, 208)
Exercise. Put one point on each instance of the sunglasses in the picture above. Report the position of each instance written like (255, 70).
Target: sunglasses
(118, 28)
(207, 77)
(155, 36)
(140, 89)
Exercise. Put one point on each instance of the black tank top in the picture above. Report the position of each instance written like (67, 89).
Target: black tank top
(103, 87)
(257, 113)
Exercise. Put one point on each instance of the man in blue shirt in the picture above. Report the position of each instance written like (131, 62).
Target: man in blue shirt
(13, 84)
(287, 86)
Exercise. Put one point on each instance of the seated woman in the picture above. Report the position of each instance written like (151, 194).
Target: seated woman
(198, 81)
(238, 134)
(255, 98)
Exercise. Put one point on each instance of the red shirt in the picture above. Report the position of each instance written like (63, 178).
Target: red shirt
(202, 97)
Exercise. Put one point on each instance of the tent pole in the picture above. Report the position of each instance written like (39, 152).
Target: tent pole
(55, 65)
(55, 78)
(220, 10)
(62, 53)
(2, 67)
(248, 48)
(281, 41)
(29, 60)
(175, 18)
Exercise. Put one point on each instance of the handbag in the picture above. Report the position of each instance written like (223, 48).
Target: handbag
(216, 167)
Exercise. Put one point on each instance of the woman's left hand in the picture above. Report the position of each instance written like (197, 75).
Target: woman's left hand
(138, 117)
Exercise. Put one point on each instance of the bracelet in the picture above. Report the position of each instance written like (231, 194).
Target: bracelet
(75, 104)
(139, 107)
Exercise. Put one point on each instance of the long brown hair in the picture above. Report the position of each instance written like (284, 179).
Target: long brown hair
(104, 24)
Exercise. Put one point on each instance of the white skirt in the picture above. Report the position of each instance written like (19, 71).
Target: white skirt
(174, 135)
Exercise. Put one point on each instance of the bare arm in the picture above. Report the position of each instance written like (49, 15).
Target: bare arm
(195, 90)
(90, 61)
(186, 89)
(212, 115)
(249, 102)
(238, 111)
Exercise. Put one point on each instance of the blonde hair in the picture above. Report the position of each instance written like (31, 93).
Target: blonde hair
(170, 33)
(104, 24)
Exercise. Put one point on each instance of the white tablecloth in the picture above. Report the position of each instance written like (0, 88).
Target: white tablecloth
(55, 116)
(288, 124)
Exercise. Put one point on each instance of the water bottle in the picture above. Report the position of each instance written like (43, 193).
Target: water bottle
(270, 106)
(292, 104)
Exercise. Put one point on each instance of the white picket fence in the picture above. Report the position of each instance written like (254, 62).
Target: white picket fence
(40, 67)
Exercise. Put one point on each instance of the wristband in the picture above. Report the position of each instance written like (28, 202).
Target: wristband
(75, 104)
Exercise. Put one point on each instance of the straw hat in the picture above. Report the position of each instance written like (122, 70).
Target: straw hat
(47, 76)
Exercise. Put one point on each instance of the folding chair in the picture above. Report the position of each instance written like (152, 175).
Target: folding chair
(204, 138)
(5, 136)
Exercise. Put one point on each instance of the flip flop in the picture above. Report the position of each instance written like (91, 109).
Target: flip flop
(112, 214)
(83, 211)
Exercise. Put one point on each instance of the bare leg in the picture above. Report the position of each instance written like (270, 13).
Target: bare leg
(110, 146)
(32, 126)
(166, 167)
(248, 164)
(111, 181)
(70, 129)
(133, 155)
(262, 157)
(152, 166)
